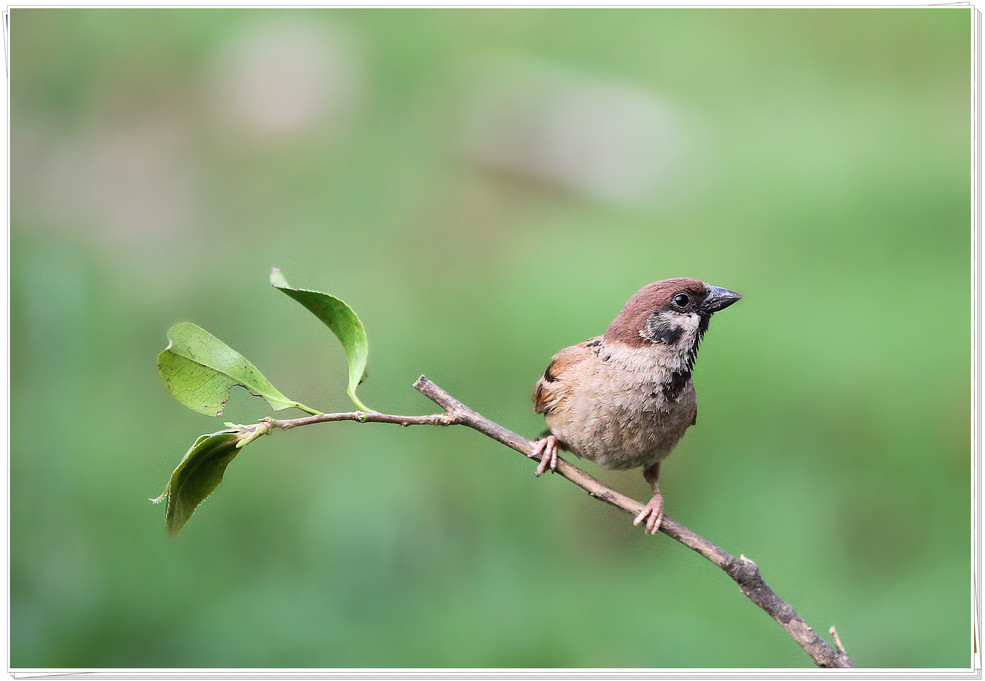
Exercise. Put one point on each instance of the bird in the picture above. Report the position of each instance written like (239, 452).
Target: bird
(625, 398)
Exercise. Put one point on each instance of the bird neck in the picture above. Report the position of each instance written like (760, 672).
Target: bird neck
(668, 365)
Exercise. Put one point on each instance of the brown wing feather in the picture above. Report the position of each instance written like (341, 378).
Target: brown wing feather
(550, 387)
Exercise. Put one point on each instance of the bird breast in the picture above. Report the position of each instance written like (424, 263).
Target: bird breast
(617, 410)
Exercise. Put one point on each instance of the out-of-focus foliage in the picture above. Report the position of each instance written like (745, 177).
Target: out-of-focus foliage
(485, 187)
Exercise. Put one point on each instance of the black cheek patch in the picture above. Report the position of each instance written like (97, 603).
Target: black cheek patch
(663, 330)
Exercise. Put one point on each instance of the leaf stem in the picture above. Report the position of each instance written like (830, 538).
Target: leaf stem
(302, 407)
(357, 401)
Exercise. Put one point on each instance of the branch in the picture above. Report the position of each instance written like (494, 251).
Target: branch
(743, 571)
(446, 419)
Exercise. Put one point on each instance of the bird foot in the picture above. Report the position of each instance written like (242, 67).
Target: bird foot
(546, 449)
(652, 513)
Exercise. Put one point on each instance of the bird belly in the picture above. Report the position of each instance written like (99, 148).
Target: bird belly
(626, 422)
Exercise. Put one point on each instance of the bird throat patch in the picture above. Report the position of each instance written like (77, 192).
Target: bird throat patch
(672, 388)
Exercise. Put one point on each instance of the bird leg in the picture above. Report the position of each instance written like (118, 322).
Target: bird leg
(653, 512)
(546, 449)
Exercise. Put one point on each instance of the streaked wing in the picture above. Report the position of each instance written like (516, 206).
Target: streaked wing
(551, 388)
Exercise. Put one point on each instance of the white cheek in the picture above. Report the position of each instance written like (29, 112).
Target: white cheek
(689, 323)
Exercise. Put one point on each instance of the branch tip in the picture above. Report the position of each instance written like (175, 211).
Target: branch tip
(838, 646)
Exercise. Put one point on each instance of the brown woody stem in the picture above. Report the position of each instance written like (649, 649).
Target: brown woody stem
(445, 419)
(743, 571)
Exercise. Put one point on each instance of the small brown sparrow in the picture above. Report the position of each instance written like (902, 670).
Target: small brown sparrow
(624, 399)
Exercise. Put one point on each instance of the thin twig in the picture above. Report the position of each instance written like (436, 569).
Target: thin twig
(743, 571)
(445, 419)
(834, 635)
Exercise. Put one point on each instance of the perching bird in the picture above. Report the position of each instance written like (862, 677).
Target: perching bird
(624, 399)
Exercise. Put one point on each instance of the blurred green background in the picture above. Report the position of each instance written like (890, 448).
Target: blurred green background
(485, 187)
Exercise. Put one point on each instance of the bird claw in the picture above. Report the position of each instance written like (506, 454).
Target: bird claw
(653, 514)
(546, 449)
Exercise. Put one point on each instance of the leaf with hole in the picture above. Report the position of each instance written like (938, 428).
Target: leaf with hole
(342, 321)
(199, 370)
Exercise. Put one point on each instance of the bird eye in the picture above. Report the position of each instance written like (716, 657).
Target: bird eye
(681, 300)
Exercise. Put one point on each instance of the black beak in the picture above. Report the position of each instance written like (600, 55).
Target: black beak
(718, 299)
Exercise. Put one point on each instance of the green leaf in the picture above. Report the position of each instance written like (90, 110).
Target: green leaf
(199, 369)
(200, 471)
(343, 322)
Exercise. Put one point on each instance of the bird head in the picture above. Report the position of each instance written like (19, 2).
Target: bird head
(672, 314)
